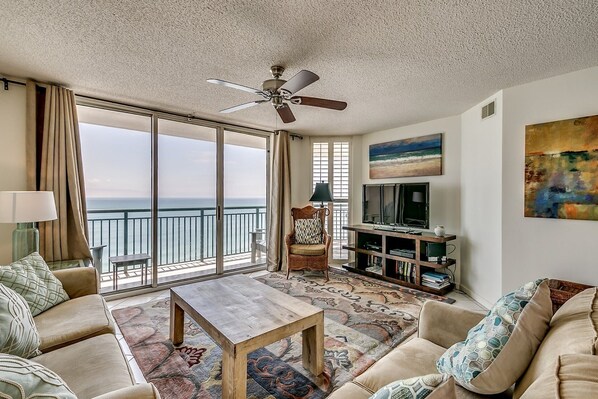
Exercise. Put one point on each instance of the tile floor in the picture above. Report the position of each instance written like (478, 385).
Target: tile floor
(462, 300)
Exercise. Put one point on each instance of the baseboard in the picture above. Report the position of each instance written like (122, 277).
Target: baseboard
(476, 297)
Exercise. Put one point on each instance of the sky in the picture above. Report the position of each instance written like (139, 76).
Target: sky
(117, 164)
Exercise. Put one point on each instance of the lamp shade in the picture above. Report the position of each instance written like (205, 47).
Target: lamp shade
(322, 193)
(27, 206)
(418, 196)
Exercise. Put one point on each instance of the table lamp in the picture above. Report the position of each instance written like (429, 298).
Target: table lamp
(25, 208)
(322, 194)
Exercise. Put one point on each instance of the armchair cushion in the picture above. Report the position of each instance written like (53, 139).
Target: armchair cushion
(31, 278)
(308, 231)
(309, 250)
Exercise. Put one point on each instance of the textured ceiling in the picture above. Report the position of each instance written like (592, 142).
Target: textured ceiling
(394, 62)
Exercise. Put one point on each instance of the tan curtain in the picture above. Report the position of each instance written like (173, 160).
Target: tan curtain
(279, 221)
(54, 164)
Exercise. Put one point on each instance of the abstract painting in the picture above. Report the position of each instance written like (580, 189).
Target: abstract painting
(418, 156)
(561, 169)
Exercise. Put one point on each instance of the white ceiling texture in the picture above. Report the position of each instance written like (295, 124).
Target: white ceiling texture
(394, 62)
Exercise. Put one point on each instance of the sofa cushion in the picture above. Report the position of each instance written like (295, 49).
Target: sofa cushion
(19, 335)
(22, 378)
(414, 358)
(91, 367)
(440, 386)
(572, 377)
(351, 390)
(310, 250)
(31, 278)
(500, 347)
(308, 231)
(73, 321)
(572, 330)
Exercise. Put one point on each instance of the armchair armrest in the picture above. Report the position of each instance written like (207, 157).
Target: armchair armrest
(139, 391)
(79, 281)
(445, 324)
(289, 238)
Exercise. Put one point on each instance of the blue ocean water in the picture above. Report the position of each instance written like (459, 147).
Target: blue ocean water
(186, 227)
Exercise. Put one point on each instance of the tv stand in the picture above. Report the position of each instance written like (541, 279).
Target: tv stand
(373, 245)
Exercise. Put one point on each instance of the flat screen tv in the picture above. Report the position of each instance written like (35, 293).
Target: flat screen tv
(403, 205)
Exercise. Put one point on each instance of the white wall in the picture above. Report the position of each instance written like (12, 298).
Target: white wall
(12, 155)
(533, 247)
(481, 207)
(444, 190)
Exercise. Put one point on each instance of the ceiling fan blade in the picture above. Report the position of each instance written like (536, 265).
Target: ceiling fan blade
(236, 86)
(301, 80)
(241, 106)
(285, 113)
(319, 102)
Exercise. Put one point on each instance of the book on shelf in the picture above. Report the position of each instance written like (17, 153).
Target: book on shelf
(435, 280)
(405, 269)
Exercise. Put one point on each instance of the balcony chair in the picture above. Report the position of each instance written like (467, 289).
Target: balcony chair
(308, 256)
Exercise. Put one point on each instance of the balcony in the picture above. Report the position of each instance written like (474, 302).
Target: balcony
(186, 241)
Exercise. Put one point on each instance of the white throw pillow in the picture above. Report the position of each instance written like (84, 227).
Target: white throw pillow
(18, 335)
(31, 278)
(431, 386)
(22, 378)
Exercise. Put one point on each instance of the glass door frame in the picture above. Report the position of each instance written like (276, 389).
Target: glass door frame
(219, 128)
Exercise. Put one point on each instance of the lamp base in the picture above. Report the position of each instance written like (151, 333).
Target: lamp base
(25, 240)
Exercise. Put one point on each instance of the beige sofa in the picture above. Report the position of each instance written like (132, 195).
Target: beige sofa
(572, 331)
(78, 342)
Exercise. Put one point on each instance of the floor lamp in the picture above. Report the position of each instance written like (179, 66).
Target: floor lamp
(25, 208)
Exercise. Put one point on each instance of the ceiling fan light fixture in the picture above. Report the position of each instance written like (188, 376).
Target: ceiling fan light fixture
(279, 93)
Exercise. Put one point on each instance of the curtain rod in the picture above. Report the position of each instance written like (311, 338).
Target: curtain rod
(14, 82)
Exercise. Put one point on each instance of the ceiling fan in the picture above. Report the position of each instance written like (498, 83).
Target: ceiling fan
(280, 93)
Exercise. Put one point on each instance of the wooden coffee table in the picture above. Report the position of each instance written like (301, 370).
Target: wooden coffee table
(241, 315)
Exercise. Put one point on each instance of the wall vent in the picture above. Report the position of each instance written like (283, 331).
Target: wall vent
(488, 110)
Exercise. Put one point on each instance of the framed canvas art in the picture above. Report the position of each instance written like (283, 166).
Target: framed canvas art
(561, 169)
(418, 156)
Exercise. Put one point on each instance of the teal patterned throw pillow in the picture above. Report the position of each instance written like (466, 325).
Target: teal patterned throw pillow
(18, 335)
(430, 386)
(500, 347)
(23, 378)
(31, 278)
(308, 231)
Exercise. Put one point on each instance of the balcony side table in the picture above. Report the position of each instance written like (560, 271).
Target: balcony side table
(129, 260)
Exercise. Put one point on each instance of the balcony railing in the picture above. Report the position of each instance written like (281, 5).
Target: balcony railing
(184, 234)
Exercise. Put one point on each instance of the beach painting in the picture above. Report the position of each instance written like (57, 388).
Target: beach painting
(561, 169)
(418, 156)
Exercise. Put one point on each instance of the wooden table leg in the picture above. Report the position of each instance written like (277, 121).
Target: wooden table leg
(313, 347)
(177, 319)
(234, 375)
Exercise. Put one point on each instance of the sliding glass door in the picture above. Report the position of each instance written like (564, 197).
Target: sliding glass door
(186, 200)
(117, 164)
(172, 196)
(244, 216)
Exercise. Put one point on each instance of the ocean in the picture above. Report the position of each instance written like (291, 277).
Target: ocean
(186, 227)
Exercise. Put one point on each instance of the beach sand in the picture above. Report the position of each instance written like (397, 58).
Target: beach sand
(424, 167)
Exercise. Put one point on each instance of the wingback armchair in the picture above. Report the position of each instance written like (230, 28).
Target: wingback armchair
(308, 256)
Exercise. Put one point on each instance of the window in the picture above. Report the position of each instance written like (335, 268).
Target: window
(330, 163)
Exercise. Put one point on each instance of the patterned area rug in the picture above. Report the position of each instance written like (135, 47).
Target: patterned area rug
(364, 319)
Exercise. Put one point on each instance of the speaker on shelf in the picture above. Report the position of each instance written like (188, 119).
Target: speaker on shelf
(435, 249)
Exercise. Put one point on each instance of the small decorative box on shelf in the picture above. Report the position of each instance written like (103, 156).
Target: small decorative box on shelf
(403, 256)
